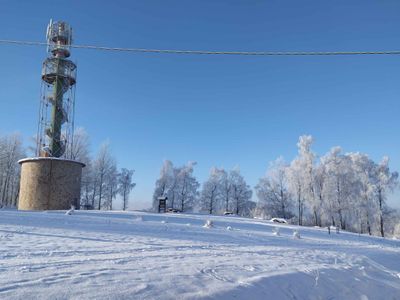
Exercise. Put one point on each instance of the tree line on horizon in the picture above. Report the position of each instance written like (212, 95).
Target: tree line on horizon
(223, 192)
(348, 190)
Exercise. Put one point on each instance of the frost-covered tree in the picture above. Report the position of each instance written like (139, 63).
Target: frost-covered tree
(178, 184)
(226, 189)
(240, 193)
(296, 187)
(320, 179)
(111, 185)
(385, 181)
(80, 149)
(103, 165)
(125, 185)
(344, 189)
(363, 192)
(340, 185)
(163, 183)
(308, 161)
(173, 191)
(88, 185)
(11, 151)
(211, 192)
(274, 198)
(301, 178)
(331, 160)
(186, 186)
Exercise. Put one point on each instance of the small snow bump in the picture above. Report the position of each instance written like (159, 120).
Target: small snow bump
(208, 224)
(275, 231)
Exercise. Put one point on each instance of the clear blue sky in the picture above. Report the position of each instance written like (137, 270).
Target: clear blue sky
(221, 111)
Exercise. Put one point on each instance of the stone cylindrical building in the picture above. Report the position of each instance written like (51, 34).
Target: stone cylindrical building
(49, 183)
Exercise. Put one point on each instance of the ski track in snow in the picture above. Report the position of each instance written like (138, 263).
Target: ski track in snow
(137, 255)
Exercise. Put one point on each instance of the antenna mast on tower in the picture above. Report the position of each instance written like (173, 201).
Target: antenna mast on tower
(57, 99)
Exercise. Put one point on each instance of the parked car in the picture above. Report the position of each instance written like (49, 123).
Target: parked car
(228, 213)
(173, 210)
(279, 220)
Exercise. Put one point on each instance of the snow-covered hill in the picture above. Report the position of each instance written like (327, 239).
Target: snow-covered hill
(136, 255)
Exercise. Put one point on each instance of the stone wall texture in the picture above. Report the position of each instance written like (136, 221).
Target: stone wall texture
(49, 184)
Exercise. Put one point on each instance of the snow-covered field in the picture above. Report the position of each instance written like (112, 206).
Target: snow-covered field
(136, 255)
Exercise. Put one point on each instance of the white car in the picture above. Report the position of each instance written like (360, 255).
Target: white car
(279, 220)
(228, 213)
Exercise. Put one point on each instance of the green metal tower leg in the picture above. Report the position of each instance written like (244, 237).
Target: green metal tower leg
(57, 117)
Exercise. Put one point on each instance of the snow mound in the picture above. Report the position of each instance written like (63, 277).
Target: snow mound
(71, 211)
(296, 234)
(275, 231)
(208, 224)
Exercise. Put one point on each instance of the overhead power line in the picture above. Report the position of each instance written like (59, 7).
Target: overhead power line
(203, 52)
